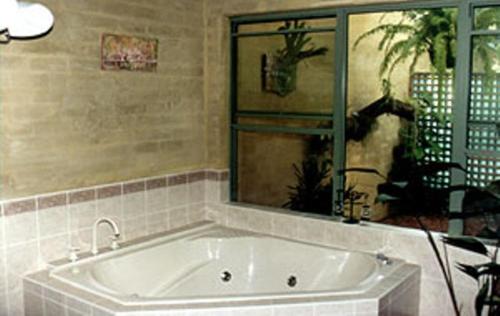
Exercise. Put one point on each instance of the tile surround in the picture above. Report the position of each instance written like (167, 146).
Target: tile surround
(25, 247)
(39, 229)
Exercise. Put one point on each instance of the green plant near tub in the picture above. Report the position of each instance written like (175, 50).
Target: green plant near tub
(280, 67)
(477, 203)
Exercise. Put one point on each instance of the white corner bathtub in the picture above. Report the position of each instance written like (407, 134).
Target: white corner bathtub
(211, 263)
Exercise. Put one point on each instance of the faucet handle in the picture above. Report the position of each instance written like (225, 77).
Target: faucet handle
(114, 242)
(73, 256)
(383, 258)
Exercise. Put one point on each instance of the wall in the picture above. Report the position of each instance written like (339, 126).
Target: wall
(67, 124)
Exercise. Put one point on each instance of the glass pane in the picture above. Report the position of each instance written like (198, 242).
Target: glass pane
(487, 18)
(399, 110)
(483, 137)
(281, 77)
(273, 26)
(285, 171)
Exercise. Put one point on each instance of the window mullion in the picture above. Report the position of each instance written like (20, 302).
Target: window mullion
(459, 119)
(339, 107)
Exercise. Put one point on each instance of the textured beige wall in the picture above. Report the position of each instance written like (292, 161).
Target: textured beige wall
(66, 123)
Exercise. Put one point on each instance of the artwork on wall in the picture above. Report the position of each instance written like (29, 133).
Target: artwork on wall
(121, 52)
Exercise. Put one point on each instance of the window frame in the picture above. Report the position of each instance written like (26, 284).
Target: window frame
(465, 33)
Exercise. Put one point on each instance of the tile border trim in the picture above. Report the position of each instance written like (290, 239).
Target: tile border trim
(33, 203)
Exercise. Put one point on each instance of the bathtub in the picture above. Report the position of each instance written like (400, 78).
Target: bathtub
(211, 263)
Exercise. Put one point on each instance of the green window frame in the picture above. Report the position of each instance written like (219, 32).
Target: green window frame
(459, 151)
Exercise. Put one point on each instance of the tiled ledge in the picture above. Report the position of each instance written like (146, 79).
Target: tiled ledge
(75, 196)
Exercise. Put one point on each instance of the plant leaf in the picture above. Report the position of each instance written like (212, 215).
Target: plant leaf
(467, 243)
(481, 297)
(434, 167)
(471, 271)
(362, 170)
(382, 198)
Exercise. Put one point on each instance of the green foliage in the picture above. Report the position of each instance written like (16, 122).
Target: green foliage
(297, 47)
(430, 32)
(313, 191)
(419, 32)
(295, 44)
(470, 244)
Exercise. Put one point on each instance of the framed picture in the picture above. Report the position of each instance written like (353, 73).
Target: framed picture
(122, 52)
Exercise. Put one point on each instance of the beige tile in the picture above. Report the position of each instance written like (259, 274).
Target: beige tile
(157, 222)
(296, 310)
(53, 309)
(20, 228)
(110, 207)
(3, 304)
(33, 304)
(311, 230)
(156, 200)
(237, 217)
(81, 239)
(224, 191)
(262, 311)
(334, 309)
(414, 249)
(196, 192)
(260, 221)
(177, 195)
(135, 228)
(54, 247)
(285, 225)
(20, 259)
(134, 204)
(82, 215)
(53, 221)
(216, 213)
(15, 303)
(77, 306)
(196, 212)
(2, 241)
(177, 217)
(212, 191)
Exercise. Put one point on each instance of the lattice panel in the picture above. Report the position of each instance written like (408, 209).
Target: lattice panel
(484, 103)
(483, 128)
(481, 171)
(483, 131)
(483, 137)
(427, 85)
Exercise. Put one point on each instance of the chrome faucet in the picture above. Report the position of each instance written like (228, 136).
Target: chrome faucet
(114, 238)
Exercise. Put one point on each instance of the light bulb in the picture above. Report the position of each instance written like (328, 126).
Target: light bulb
(24, 20)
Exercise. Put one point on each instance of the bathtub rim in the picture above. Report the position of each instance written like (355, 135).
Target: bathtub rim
(193, 229)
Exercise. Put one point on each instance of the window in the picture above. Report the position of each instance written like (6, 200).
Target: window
(283, 96)
(378, 95)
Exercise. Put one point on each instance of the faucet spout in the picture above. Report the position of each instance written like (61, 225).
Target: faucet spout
(103, 220)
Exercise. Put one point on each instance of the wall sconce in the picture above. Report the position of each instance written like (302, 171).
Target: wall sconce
(23, 20)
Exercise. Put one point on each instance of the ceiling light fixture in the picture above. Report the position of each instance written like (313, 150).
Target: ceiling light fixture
(23, 20)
